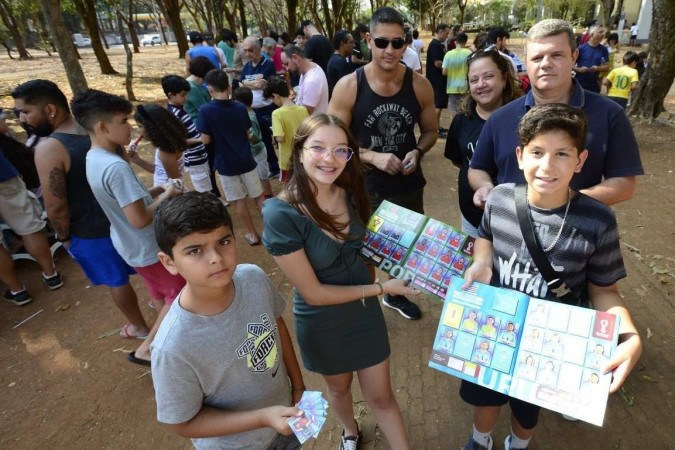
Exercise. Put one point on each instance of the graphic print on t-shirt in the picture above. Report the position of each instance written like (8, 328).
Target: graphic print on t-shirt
(260, 348)
(390, 121)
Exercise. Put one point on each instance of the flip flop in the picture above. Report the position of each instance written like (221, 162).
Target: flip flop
(124, 332)
(141, 362)
(251, 242)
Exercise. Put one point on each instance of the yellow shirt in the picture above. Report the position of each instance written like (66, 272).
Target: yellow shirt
(285, 121)
(622, 79)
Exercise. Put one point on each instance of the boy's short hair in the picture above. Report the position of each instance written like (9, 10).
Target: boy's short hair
(92, 106)
(244, 95)
(630, 57)
(174, 84)
(276, 85)
(188, 213)
(462, 38)
(415, 34)
(200, 66)
(553, 117)
(218, 80)
(41, 92)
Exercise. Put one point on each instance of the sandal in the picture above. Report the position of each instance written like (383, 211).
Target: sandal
(252, 242)
(141, 362)
(126, 332)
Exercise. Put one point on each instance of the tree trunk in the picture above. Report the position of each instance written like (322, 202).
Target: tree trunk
(10, 22)
(87, 12)
(606, 6)
(64, 45)
(242, 18)
(129, 77)
(660, 73)
(292, 8)
(171, 10)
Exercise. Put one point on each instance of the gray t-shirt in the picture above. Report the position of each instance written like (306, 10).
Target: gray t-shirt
(115, 186)
(588, 249)
(231, 361)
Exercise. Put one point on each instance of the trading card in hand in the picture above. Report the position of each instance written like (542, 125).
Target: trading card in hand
(313, 407)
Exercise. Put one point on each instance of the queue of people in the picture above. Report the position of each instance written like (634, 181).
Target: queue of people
(223, 365)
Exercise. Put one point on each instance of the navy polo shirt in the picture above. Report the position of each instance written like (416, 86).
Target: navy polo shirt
(612, 148)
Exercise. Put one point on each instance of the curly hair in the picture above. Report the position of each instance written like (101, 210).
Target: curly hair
(162, 128)
(301, 191)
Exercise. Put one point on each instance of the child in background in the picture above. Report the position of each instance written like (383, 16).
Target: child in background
(125, 200)
(222, 359)
(225, 123)
(623, 80)
(285, 120)
(167, 133)
(245, 95)
(575, 231)
(176, 89)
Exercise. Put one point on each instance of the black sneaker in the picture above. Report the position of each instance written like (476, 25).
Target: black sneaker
(349, 442)
(54, 282)
(405, 307)
(19, 299)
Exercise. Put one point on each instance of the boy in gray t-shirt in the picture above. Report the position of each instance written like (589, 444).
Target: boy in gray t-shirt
(222, 358)
(578, 236)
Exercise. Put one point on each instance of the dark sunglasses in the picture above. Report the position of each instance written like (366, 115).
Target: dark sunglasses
(396, 43)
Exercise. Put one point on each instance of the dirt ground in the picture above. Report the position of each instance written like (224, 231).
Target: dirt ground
(65, 381)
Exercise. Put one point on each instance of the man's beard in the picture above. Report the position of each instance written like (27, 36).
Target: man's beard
(42, 129)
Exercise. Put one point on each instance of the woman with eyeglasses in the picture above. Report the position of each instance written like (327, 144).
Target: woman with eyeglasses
(314, 229)
(492, 83)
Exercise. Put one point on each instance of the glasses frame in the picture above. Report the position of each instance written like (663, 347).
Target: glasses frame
(327, 150)
(396, 46)
(482, 51)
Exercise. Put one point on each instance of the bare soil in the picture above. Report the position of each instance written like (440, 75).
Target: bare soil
(65, 381)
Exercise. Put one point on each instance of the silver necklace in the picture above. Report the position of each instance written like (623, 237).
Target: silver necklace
(567, 208)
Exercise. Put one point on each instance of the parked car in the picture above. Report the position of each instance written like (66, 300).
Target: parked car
(151, 40)
(81, 40)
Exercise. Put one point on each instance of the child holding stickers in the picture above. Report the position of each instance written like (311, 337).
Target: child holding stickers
(576, 233)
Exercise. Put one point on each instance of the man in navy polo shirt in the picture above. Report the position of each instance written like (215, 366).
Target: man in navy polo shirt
(593, 59)
(613, 161)
(254, 76)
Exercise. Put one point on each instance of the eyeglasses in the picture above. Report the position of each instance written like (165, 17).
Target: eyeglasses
(481, 52)
(396, 43)
(319, 152)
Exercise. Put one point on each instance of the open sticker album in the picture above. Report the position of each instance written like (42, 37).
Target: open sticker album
(409, 245)
(546, 353)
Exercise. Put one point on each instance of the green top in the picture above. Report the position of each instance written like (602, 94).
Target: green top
(229, 53)
(197, 96)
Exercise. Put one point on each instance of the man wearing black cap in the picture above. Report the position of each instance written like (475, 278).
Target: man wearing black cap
(317, 48)
(201, 49)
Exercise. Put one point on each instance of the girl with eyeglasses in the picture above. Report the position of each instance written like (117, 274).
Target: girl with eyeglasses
(314, 230)
(492, 83)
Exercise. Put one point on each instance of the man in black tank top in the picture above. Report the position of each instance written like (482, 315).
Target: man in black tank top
(381, 103)
(79, 221)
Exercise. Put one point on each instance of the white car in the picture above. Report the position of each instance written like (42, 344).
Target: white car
(151, 40)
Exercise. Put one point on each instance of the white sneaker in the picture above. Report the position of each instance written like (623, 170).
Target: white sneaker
(507, 444)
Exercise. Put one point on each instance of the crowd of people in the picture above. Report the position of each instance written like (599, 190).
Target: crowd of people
(223, 365)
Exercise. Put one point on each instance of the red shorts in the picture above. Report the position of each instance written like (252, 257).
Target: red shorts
(161, 285)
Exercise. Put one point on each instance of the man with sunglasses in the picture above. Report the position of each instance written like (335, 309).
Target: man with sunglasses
(382, 102)
(613, 161)
(435, 54)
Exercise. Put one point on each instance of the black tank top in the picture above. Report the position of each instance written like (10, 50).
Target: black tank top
(387, 125)
(87, 219)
